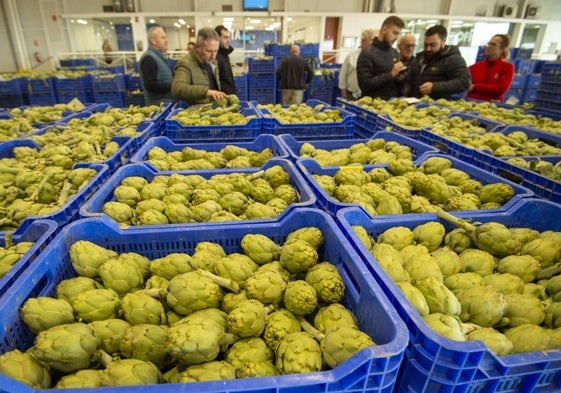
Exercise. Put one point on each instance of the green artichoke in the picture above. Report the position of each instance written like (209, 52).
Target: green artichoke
(298, 353)
(41, 313)
(25, 368)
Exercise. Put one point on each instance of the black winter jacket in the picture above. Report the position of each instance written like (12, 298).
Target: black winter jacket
(294, 73)
(227, 84)
(373, 70)
(447, 71)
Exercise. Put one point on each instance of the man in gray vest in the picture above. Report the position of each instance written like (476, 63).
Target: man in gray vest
(155, 72)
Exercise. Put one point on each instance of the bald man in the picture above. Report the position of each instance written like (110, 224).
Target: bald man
(294, 75)
(406, 47)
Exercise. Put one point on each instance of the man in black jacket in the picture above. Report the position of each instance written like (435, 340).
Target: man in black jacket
(227, 84)
(294, 75)
(441, 71)
(378, 67)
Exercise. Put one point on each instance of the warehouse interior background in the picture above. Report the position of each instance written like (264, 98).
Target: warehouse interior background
(36, 34)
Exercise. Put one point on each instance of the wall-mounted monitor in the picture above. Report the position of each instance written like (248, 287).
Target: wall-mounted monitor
(255, 5)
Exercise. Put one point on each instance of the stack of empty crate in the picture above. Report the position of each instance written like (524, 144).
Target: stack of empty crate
(134, 94)
(309, 52)
(13, 92)
(41, 91)
(109, 88)
(262, 84)
(78, 87)
(241, 87)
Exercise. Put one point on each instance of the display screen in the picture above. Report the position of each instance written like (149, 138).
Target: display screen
(255, 5)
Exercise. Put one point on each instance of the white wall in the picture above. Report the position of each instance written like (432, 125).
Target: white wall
(7, 60)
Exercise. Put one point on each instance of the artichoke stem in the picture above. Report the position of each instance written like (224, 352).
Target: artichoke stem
(64, 193)
(256, 175)
(224, 282)
(549, 271)
(104, 357)
(444, 215)
(8, 240)
(308, 328)
(97, 148)
(13, 171)
(228, 339)
(44, 181)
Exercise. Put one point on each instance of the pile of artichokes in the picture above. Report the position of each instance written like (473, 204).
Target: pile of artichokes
(178, 198)
(402, 187)
(225, 112)
(302, 113)
(515, 143)
(188, 158)
(38, 183)
(47, 113)
(374, 151)
(477, 282)
(543, 167)
(11, 253)
(270, 309)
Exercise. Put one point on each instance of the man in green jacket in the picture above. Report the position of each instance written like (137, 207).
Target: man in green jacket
(197, 80)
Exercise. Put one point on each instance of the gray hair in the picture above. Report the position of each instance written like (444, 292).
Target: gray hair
(151, 30)
(206, 33)
(368, 33)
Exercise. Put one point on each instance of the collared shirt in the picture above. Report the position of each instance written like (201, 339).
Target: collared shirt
(347, 76)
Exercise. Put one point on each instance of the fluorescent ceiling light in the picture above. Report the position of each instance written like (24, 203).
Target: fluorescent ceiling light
(255, 21)
(249, 27)
(181, 21)
(228, 19)
(151, 21)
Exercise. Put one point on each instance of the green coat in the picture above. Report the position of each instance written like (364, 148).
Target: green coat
(190, 82)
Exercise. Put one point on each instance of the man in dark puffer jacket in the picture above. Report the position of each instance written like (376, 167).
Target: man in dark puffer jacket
(441, 71)
(378, 66)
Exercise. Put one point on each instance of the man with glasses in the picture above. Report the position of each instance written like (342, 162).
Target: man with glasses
(197, 79)
(406, 48)
(442, 71)
(378, 67)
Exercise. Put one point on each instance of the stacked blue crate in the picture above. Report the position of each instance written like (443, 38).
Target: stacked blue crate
(70, 88)
(548, 94)
(241, 87)
(526, 79)
(310, 52)
(109, 88)
(261, 82)
(41, 91)
(133, 94)
(13, 93)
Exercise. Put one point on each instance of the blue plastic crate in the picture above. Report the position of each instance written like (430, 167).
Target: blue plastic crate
(46, 99)
(112, 84)
(543, 136)
(176, 131)
(40, 232)
(293, 145)
(258, 144)
(519, 80)
(324, 93)
(133, 82)
(277, 50)
(372, 370)
(365, 119)
(66, 97)
(547, 105)
(341, 130)
(542, 186)
(385, 123)
(111, 98)
(449, 147)
(41, 86)
(13, 86)
(70, 85)
(435, 364)
(13, 100)
(328, 203)
(309, 50)
(94, 206)
(133, 99)
(262, 95)
(262, 81)
(69, 211)
(261, 66)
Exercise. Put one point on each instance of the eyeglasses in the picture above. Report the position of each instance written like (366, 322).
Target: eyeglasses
(410, 45)
(493, 44)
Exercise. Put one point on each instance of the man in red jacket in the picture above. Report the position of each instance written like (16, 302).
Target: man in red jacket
(492, 77)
